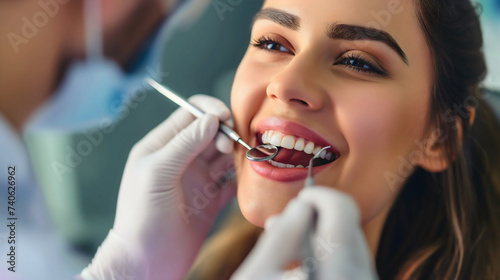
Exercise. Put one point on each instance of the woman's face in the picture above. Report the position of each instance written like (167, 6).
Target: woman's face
(351, 74)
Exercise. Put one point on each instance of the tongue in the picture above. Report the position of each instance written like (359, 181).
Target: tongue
(293, 157)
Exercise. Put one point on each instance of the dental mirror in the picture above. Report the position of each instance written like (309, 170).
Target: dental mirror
(260, 153)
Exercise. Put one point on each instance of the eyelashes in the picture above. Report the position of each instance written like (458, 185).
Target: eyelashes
(268, 44)
(357, 63)
(352, 61)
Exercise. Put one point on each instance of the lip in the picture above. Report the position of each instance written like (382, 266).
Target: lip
(268, 171)
(271, 172)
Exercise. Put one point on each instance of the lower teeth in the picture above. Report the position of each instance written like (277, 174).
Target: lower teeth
(283, 165)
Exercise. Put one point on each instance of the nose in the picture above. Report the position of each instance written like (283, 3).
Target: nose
(296, 85)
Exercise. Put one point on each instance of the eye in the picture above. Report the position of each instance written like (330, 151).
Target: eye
(269, 44)
(357, 63)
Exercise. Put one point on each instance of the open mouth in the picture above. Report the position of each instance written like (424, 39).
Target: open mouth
(295, 152)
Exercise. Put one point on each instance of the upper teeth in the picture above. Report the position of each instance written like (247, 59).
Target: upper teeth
(291, 142)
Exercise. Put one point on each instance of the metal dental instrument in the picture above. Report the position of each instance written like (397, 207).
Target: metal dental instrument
(311, 274)
(310, 179)
(260, 153)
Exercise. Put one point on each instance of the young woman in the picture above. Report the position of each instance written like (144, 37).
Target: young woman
(391, 86)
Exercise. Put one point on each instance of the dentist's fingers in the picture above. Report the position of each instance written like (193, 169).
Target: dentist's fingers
(211, 105)
(345, 253)
(278, 245)
(337, 212)
(163, 133)
(172, 159)
(223, 143)
(177, 121)
(270, 222)
(217, 108)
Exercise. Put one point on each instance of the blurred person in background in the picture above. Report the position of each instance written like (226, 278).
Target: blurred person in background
(60, 61)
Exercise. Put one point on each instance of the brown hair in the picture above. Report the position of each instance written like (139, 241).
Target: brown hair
(447, 225)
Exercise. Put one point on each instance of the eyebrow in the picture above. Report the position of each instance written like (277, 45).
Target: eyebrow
(280, 17)
(356, 32)
(335, 31)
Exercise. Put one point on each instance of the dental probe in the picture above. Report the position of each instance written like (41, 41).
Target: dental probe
(311, 274)
(310, 179)
(259, 153)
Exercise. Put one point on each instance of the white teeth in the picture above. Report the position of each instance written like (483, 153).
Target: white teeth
(309, 148)
(283, 165)
(322, 154)
(290, 142)
(299, 145)
(287, 142)
(276, 139)
(329, 156)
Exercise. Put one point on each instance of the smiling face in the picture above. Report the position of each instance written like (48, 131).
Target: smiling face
(352, 74)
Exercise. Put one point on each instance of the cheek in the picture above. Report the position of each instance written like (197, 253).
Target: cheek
(247, 94)
(380, 127)
(384, 123)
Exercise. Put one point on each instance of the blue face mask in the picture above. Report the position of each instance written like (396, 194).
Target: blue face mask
(84, 97)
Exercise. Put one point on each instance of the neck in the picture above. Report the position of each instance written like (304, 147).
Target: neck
(373, 229)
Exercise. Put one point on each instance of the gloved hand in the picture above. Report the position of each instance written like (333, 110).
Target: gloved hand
(338, 251)
(172, 188)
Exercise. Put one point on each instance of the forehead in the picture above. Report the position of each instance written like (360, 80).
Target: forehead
(383, 14)
(360, 11)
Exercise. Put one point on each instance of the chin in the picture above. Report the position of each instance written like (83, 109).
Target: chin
(260, 197)
(260, 201)
(257, 220)
(255, 214)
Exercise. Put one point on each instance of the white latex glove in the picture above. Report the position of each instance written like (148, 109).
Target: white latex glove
(339, 250)
(168, 198)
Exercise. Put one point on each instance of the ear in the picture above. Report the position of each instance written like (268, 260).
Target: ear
(434, 157)
(472, 116)
(433, 152)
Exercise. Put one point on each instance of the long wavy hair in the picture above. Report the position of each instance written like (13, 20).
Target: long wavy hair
(447, 225)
